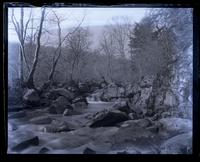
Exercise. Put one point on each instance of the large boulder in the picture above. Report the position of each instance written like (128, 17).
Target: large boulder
(31, 97)
(108, 118)
(61, 92)
(121, 106)
(180, 144)
(59, 105)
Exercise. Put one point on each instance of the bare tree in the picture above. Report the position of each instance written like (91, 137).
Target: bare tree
(58, 50)
(21, 31)
(107, 45)
(77, 45)
(114, 45)
(120, 30)
(58, 21)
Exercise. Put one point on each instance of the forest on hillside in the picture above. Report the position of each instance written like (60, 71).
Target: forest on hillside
(131, 93)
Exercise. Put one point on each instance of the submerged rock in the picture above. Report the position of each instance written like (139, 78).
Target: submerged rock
(26, 143)
(57, 126)
(122, 152)
(41, 120)
(89, 151)
(20, 114)
(43, 150)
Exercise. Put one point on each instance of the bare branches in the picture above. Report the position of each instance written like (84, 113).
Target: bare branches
(66, 36)
(21, 33)
(26, 26)
(15, 23)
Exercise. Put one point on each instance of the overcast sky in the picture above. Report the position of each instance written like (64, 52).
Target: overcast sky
(93, 16)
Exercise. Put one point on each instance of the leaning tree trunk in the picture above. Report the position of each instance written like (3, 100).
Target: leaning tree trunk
(21, 67)
(59, 54)
(30, 83)
(21, 36)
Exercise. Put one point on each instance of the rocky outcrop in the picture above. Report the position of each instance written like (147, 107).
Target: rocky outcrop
(138, 96)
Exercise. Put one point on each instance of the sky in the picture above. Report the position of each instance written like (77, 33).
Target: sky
(73, 16)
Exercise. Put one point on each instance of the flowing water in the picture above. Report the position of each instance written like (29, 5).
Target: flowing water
(95, 106)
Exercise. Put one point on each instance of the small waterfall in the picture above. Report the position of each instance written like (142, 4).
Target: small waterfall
(93, 98)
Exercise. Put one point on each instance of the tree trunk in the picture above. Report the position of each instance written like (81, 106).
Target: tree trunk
(30, 82)
(59, 54)
(21, 66)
